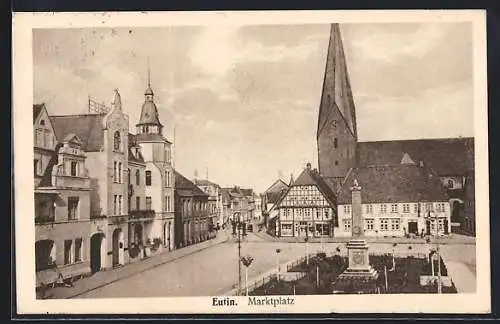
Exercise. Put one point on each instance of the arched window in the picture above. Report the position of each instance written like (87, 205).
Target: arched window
(148, 178)
(335, 142)
(137, 177)
(117, 141)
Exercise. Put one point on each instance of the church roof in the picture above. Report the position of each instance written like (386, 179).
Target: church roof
(88, 128)
(185, 187)
(394, 183)
(336, 93)
(454, 156)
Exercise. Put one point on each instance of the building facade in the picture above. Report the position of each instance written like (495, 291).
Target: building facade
(308, 208)
(214, 202)
(339, 150)
(191, 212)
(159, 177)
(62, 193)
(268, 203)
(396, 201)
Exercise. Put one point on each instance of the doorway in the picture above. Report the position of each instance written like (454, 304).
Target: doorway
(117, 247)
(95, 252)
(413, 227)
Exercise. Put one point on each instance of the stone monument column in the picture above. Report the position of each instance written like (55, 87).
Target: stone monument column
(357, 248)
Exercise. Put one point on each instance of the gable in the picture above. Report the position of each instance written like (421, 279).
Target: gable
(88, 128)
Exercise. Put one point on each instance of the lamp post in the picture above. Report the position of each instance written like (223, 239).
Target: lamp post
(237, 214)
(247, 261)
(278, 262)
(439, 288)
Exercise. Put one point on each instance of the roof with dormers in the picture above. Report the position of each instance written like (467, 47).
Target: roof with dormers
(449, 156)
(87, 127)
(394, 184)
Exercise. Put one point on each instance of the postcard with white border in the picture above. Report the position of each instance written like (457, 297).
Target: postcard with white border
(251, 162)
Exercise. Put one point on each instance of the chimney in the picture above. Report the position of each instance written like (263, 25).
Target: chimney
(357, 216)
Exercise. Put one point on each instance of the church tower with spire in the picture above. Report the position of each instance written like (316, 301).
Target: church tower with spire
(336, 132)
(159, 177)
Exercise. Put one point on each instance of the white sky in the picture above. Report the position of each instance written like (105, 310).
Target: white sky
(245, 99)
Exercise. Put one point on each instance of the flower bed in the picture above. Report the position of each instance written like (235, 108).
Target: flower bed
(404, 279)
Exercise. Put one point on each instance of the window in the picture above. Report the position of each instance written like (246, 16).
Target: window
(335, 142)
(115, 204)
(347, 225)
(167, 203)
(286, 229)
(327, 214)
(137, 203)
(148, 178)
(450, 184)
(336, 162)
(120, 211)
(35, 166)
(369, 224)
(74, 166)
(347, 209)
(72, 208)
(128, 176)
(137, 177)
(68, 257)
(394, 208)
(115, 168)
(78, 250)
(384, 224)
(318, 213)
(383, 209)
(415, 208)
(119, 172)
(42, 122)
(117, 141)
(406, 208)
(369, 209)
(395, 224)
(148, 203)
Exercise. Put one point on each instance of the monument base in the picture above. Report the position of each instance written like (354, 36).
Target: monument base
(359, 264)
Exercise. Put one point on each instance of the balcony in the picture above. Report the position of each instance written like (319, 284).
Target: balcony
(145, 214)
(117, 219)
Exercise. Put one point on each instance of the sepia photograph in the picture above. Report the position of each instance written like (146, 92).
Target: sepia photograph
(242, 164)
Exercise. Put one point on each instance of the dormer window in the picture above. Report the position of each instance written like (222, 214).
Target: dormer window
(42, 122)
(117, 141)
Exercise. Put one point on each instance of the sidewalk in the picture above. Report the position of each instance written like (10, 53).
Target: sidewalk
(104, 278)
(462, 277)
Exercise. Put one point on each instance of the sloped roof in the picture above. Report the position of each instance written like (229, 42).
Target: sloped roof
(454, 156)
(149, 114)
(144, 137)
(132, 142)
(311, 177)
(396, 183)
(186, 187)
(204, 182)
(277, 186)
(87, 127)
(37, 108)
(336, 92)
(247, 192)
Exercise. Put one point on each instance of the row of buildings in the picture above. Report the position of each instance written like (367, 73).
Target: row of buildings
(408, 187)
(105, 196)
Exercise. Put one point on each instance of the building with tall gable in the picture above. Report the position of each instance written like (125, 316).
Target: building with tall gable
(339, 149)
(62, 194)
(308, 208)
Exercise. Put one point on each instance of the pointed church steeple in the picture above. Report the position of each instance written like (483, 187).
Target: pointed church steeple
(336, 92)
(336, 134)
(149, 123)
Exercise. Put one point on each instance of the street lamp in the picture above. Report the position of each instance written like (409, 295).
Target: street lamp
(307, 249)
(247, 261)
(238, 215)
(278, 261)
